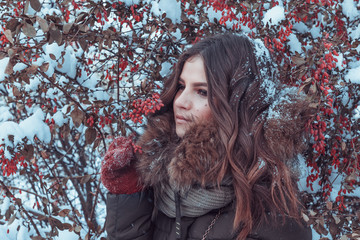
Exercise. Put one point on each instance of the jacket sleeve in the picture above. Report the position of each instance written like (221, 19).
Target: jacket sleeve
(129, 216)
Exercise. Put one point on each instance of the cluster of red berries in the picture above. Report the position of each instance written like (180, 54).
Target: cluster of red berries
(122, 66)
(100, 16)
(104, 120)
(18, 9)
(323, 2)
(136, 148)
(327, 189)
(228, 14)
(90, 121)
(317, 131)
(10, 166)
(341, 29)
(75, 5)
(136, 17)
(144, 107)
(135, 68)
(311, 178)
(340, 200)
(3, 40)
(67, 15)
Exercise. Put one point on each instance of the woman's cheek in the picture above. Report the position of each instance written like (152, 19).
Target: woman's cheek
(204, 113)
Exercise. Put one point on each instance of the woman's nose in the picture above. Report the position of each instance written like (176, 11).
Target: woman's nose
(182, 100)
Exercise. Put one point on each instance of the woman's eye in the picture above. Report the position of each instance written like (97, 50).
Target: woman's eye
(180, 87)
(202, 92)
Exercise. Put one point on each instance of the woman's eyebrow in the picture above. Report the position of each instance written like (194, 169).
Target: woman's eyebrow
(196, 84)
(200, 84)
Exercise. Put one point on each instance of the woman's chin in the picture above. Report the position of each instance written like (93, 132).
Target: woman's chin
(181, 130)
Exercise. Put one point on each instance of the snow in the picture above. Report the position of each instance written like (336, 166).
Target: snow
(274, 16)
(33, 85)
(155, 9)
(30, 10)
(300, 27)
(353, 75)
(165, 69)
(69, 66)
(213, 15)
(355, 33)
(30, 127)
(340, 60)
(177, 34)
(282, 97)
(52, 93)
(54, 49)
(172, 8)
(345, 100)
(59, 118)
(349, 9)
(3, 64)
(50, 11)
(315, 32)
(5, 114)
(39, 61)
(100, 95)
(357, 113)
(87, 82)
(10, 129)
(66, 235)
(70, 62)
(131, 2)
(260, 49)
(262, 54)
(35, 126)
(5, 236)
(295, 45)
(24, 234)
(19, 67)
(63, 81)
(4, 206)
(13, 233)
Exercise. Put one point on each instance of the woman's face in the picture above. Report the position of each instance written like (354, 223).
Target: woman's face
(191, 101)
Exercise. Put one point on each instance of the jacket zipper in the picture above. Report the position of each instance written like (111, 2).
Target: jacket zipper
(178, 216)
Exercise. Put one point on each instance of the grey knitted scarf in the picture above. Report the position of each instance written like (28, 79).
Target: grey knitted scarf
(195, 202)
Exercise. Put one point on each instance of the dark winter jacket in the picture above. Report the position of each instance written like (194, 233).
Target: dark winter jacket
(184, 163)
(129, 217)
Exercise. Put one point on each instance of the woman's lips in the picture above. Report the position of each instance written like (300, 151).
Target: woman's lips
(181, 120)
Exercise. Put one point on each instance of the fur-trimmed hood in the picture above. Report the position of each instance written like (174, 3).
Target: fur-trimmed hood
(192, 160)
(196, 159)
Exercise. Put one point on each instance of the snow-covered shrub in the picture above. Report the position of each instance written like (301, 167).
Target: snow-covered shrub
(74, 74)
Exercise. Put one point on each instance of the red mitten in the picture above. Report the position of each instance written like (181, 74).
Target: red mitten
(118, 174)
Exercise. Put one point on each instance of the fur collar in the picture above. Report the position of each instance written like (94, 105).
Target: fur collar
(193, 160)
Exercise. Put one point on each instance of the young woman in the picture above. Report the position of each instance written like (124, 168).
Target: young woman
(217, 160)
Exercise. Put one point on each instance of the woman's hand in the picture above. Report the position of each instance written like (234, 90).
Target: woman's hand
(118, 174)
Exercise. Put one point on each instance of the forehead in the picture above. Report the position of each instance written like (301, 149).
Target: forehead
(193, 70)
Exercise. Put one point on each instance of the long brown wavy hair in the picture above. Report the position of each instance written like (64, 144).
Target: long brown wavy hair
(257, 148)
